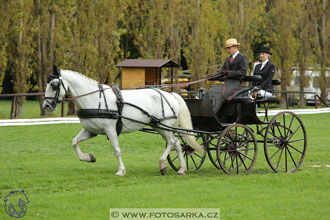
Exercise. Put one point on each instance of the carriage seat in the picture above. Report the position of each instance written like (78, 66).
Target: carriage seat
(243, 94)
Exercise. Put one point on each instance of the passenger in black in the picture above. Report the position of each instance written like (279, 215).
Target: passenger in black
(266, 70)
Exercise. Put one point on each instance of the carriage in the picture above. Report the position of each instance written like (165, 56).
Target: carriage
(231, 140)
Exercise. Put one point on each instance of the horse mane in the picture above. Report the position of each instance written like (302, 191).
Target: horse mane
(82, 76)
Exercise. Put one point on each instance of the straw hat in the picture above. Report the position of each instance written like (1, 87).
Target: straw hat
(231, 42)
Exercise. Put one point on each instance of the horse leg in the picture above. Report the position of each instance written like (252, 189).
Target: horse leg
(171, 141)
(115, 144)
(82, 136)
(178, 148)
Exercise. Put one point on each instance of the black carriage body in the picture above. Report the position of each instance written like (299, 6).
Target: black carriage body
(230, 142)
(240, 110)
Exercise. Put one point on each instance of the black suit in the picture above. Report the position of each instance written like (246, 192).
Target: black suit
(236, 71)
(267, 74)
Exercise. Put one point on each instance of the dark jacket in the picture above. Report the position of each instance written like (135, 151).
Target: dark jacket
(236, 69)
(267, 74)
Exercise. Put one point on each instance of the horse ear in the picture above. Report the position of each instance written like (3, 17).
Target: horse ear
(55, 70)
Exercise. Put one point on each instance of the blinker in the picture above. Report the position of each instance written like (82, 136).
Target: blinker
(55, 85)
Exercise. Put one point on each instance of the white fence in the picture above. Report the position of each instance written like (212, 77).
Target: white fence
(47, 121)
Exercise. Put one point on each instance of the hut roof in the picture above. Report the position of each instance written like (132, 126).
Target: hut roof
(147, 63)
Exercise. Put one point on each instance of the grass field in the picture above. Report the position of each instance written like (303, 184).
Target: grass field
(30, 109)
(41, 161)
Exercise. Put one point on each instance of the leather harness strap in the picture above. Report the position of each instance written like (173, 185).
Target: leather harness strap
(120, 106)
(113, 114)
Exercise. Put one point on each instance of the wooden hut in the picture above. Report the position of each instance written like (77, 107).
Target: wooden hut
(138, 73)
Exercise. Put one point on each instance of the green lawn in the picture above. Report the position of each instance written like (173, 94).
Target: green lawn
(41, 160)
(30, 109)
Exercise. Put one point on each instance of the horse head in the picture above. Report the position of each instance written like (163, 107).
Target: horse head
(55, 90)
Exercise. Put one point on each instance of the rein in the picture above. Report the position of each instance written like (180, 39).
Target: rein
(162, 86)
(86, 94)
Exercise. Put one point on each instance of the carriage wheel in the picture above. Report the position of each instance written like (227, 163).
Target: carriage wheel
(285, 142)
(193, 159)
(212, 144)
(237, 149)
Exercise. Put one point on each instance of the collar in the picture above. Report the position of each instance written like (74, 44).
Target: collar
(235, 54)
(264, 63)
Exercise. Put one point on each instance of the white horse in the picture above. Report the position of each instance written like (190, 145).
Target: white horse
(88, 95)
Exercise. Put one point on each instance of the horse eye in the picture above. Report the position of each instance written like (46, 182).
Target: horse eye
(55, 85)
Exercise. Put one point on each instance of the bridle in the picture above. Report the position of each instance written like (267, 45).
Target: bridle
(57, 87)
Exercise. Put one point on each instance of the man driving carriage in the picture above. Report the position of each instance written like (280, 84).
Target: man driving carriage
(232, 73)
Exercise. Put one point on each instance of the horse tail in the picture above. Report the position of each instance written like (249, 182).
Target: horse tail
(184, 120)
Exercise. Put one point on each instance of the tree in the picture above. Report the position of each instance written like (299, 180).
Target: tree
(4, 16)
(304, 53)
(20, 48)
(321, 25)
(246, 19)
(204, 42)
(45, 20)
(282, 24)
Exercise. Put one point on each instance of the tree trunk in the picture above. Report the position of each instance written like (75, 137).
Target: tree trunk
(302, 86)
(19, 106)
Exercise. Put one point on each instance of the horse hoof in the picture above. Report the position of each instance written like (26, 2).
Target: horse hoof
(121, 173)
(163, 171)
(92, 158)
(180, 173)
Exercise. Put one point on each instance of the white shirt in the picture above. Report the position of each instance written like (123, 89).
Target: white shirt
(263, 64)
(235, 54)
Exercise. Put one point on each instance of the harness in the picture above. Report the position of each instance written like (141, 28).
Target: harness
(57, 87)
(106, 113)
(113, 114)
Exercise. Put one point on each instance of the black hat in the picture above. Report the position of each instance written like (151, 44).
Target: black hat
(265, 50)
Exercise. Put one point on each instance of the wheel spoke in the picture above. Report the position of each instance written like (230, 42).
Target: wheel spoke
(176, 157)
(193, 161)
(290, 124)
(232, 163)
(303, 139)
(295, 148)
(186, 155)
(279, 159)
(292, 157)
(247, 149)
(245, 156)
(279, 129)
(286, 160)
(225, 159)
(226, 150)
(242, 161)
(237, 163)
(291, 135)
(244, 142)
(198, 155)
(274, 154)
(284, 125)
